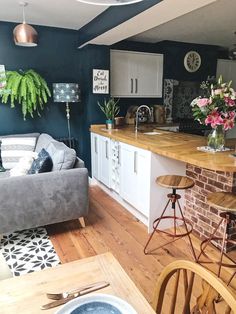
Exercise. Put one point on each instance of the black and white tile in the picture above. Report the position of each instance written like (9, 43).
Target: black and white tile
(28, 251)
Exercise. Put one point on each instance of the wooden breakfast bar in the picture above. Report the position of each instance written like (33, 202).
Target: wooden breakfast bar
(211, 172)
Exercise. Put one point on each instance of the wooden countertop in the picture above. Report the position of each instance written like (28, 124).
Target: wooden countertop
(179, 146)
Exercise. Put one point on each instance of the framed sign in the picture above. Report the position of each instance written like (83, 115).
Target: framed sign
(100, 81)
(2, 76)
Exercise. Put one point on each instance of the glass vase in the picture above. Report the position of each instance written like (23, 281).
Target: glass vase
(216, 138)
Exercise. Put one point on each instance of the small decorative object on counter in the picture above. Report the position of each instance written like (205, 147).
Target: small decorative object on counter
(111, 109)
(159, 114)
(217, 108)
(119, 122)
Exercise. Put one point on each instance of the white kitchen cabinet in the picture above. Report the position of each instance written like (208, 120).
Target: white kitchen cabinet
(135, 177)
(101, 158)
(104, 169)
(136, 74)
(227, 68)
(95, 155)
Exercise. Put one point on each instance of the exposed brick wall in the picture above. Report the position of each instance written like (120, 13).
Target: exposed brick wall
(203, 216)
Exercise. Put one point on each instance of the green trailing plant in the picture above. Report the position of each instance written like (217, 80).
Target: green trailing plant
(26, 88)
(110, 108)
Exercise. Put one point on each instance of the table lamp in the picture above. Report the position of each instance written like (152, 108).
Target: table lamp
(66, 92)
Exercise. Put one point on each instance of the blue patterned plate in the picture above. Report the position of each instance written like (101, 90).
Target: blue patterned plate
(97, 304)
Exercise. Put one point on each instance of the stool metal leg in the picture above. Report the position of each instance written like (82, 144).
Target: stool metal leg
(223, 243)
(188, 233)
(173, 197)
(209, 240)
(155, 227)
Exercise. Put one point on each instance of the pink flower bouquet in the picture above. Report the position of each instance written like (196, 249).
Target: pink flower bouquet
(217, 107)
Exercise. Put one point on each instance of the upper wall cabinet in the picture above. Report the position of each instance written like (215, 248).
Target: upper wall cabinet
(136, 74)
(227, 68)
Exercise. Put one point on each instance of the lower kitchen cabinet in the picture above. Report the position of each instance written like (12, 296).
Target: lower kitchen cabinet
(135, 177)
(101, 158)
(95, 155)
(129, 173)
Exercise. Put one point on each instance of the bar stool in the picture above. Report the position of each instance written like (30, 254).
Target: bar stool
(173, 182)
(226, 203)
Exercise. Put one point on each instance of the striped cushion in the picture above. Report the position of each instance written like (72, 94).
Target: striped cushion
(13, 148)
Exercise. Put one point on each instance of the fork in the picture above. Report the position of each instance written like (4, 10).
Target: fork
(78, 291)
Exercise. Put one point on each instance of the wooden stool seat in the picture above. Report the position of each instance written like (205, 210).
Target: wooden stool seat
(175, 182)
(223, 200)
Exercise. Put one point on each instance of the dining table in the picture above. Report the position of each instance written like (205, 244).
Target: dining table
(27, 293)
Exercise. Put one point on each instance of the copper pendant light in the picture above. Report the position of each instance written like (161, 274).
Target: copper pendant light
(24, 34)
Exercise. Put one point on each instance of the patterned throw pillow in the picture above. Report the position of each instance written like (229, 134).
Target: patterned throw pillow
(41, 164)
(13, 148)
(1, 167)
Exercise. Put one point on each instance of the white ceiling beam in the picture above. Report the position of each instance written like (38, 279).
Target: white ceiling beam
(160, 13)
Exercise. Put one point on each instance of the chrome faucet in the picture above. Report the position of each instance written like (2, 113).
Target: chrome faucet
(136, 115)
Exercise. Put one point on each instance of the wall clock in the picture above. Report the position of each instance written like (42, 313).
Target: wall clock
(192, 61)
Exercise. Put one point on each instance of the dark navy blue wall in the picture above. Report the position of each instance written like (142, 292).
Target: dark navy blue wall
(57, 59)
(174, 53)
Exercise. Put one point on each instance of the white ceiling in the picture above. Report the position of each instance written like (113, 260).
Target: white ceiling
(155, 16)
(196, 21)
(212, 24)
(58, 13)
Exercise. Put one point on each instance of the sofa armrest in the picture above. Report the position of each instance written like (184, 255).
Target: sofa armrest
(42, 199)
(79, 163)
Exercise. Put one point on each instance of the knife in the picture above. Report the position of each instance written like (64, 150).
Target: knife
(79, 292)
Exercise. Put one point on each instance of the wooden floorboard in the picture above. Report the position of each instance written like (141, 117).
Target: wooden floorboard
(111, 228)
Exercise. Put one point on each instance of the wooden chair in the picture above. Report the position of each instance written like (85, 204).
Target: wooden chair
(199, 291)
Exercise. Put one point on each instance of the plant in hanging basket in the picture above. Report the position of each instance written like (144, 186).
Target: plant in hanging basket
(26, 88)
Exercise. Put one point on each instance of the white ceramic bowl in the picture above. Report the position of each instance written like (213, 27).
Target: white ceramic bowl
(78, 305)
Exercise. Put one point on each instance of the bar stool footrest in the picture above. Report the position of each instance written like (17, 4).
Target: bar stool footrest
(202, 250)
(173, 235)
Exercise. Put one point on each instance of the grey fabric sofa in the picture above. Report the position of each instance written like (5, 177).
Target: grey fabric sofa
(46, 198)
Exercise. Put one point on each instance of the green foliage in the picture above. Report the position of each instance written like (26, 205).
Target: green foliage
(110, 108)
(28, 89)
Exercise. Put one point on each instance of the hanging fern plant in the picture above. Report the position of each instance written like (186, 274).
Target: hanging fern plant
(28, 89)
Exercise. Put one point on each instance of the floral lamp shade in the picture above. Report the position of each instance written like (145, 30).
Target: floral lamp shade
(66, 92)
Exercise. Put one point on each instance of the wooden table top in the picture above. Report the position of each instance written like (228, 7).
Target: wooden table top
(178, 146)
(25, 294)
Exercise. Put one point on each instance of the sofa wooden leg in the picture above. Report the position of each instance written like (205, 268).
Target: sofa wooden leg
(82, 222)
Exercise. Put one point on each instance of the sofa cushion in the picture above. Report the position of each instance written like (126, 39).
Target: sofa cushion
(43, 142)
(41, 164)
(62, 156)
(23, 165)
(13, 148)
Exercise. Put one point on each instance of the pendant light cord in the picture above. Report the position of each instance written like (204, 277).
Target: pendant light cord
(23, 14)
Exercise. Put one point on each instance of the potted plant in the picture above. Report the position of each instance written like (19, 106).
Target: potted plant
(111, 109)
(27, 88)
(216, 108)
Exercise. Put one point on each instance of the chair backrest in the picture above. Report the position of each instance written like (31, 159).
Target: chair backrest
(185, 287)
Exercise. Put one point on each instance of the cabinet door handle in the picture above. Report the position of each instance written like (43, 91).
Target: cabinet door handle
(96, 145)
(118, 155)
(136, 86)
(106, 149)
(135, 162)
(132, 86)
